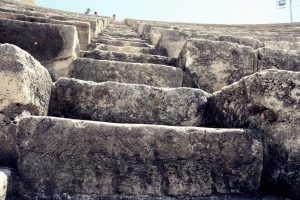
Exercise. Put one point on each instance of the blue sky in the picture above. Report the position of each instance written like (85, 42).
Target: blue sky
(194, 11)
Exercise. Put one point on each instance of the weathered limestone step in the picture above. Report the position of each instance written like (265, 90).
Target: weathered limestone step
(127, 103)
(25, 89)
(124, 49)
(95, 25)
(283, 45)
(137, 73)
(278, 59)
(120, 34)
(270, 102)
(118, 31)
(126, 57)
(54, 45)
(213, 65)
(70, 157)
(126, 36)
(122, 43)
(5, 183)
(24, 12)
(83, 28)
(120, 39)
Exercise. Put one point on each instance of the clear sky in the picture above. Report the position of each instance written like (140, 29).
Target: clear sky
(194, 11)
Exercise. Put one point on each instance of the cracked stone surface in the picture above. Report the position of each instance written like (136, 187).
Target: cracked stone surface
(212, 65)
(270, 102)
(127, 103)
(122, 72)
(26, 87)
(54, 45)
(103, 159)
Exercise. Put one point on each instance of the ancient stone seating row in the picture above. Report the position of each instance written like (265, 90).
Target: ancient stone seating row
(265, 33)
(114, 139)
(55, 150)
(211, 61)
(252, 102)
(145, 152)
(52, 37)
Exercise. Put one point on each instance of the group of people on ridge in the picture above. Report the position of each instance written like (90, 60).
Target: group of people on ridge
(87, 12)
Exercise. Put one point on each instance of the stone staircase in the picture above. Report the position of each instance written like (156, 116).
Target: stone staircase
(127, 119)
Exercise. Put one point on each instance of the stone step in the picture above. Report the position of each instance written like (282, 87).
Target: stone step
(127, 103)
(95, 25)
(124, 49)
(213, 65)
(122, 43)
(126, 57)
(6, 183)
(137, 73)
(120, 39)
(54, 45)
(269, 101)
(25, 90)
(83, 28)
(117, 31)
(94, 159)
(126, 36)
(120, 34)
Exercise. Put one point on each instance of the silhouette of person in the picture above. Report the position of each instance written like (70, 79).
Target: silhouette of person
(87, 11)
(113, 18)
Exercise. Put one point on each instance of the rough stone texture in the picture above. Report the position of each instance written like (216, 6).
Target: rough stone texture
(283, 45)
(121, 43)
(60, 156)
(172, 41)
(127, 103)
(25, 89)
(54, 45)
(278, 59)
(127, 49)
(97, 22)
(83, 28)
(120, 34)
(137, 73)
(254, 43)
(212, 65)
(95, 26)
(120, 39)
(126, 57)
(148, 197)
(165, 38)
(23, 12)
(268, 101)
(155, 35)
(4, 183)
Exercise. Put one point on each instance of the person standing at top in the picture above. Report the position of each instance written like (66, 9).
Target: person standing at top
(87, 11)
(95, 13)
(113, 18)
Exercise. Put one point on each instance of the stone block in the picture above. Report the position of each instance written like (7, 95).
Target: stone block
(5, 183)
(127, 57)
(26, 87)
(212, 65)
(136, 73)
(270, 102)
(278, 59)
(284, 45)
(251, 42)
(69, 157)
(83, 28)
(127, 103)
(54, 45)
(124, 49)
